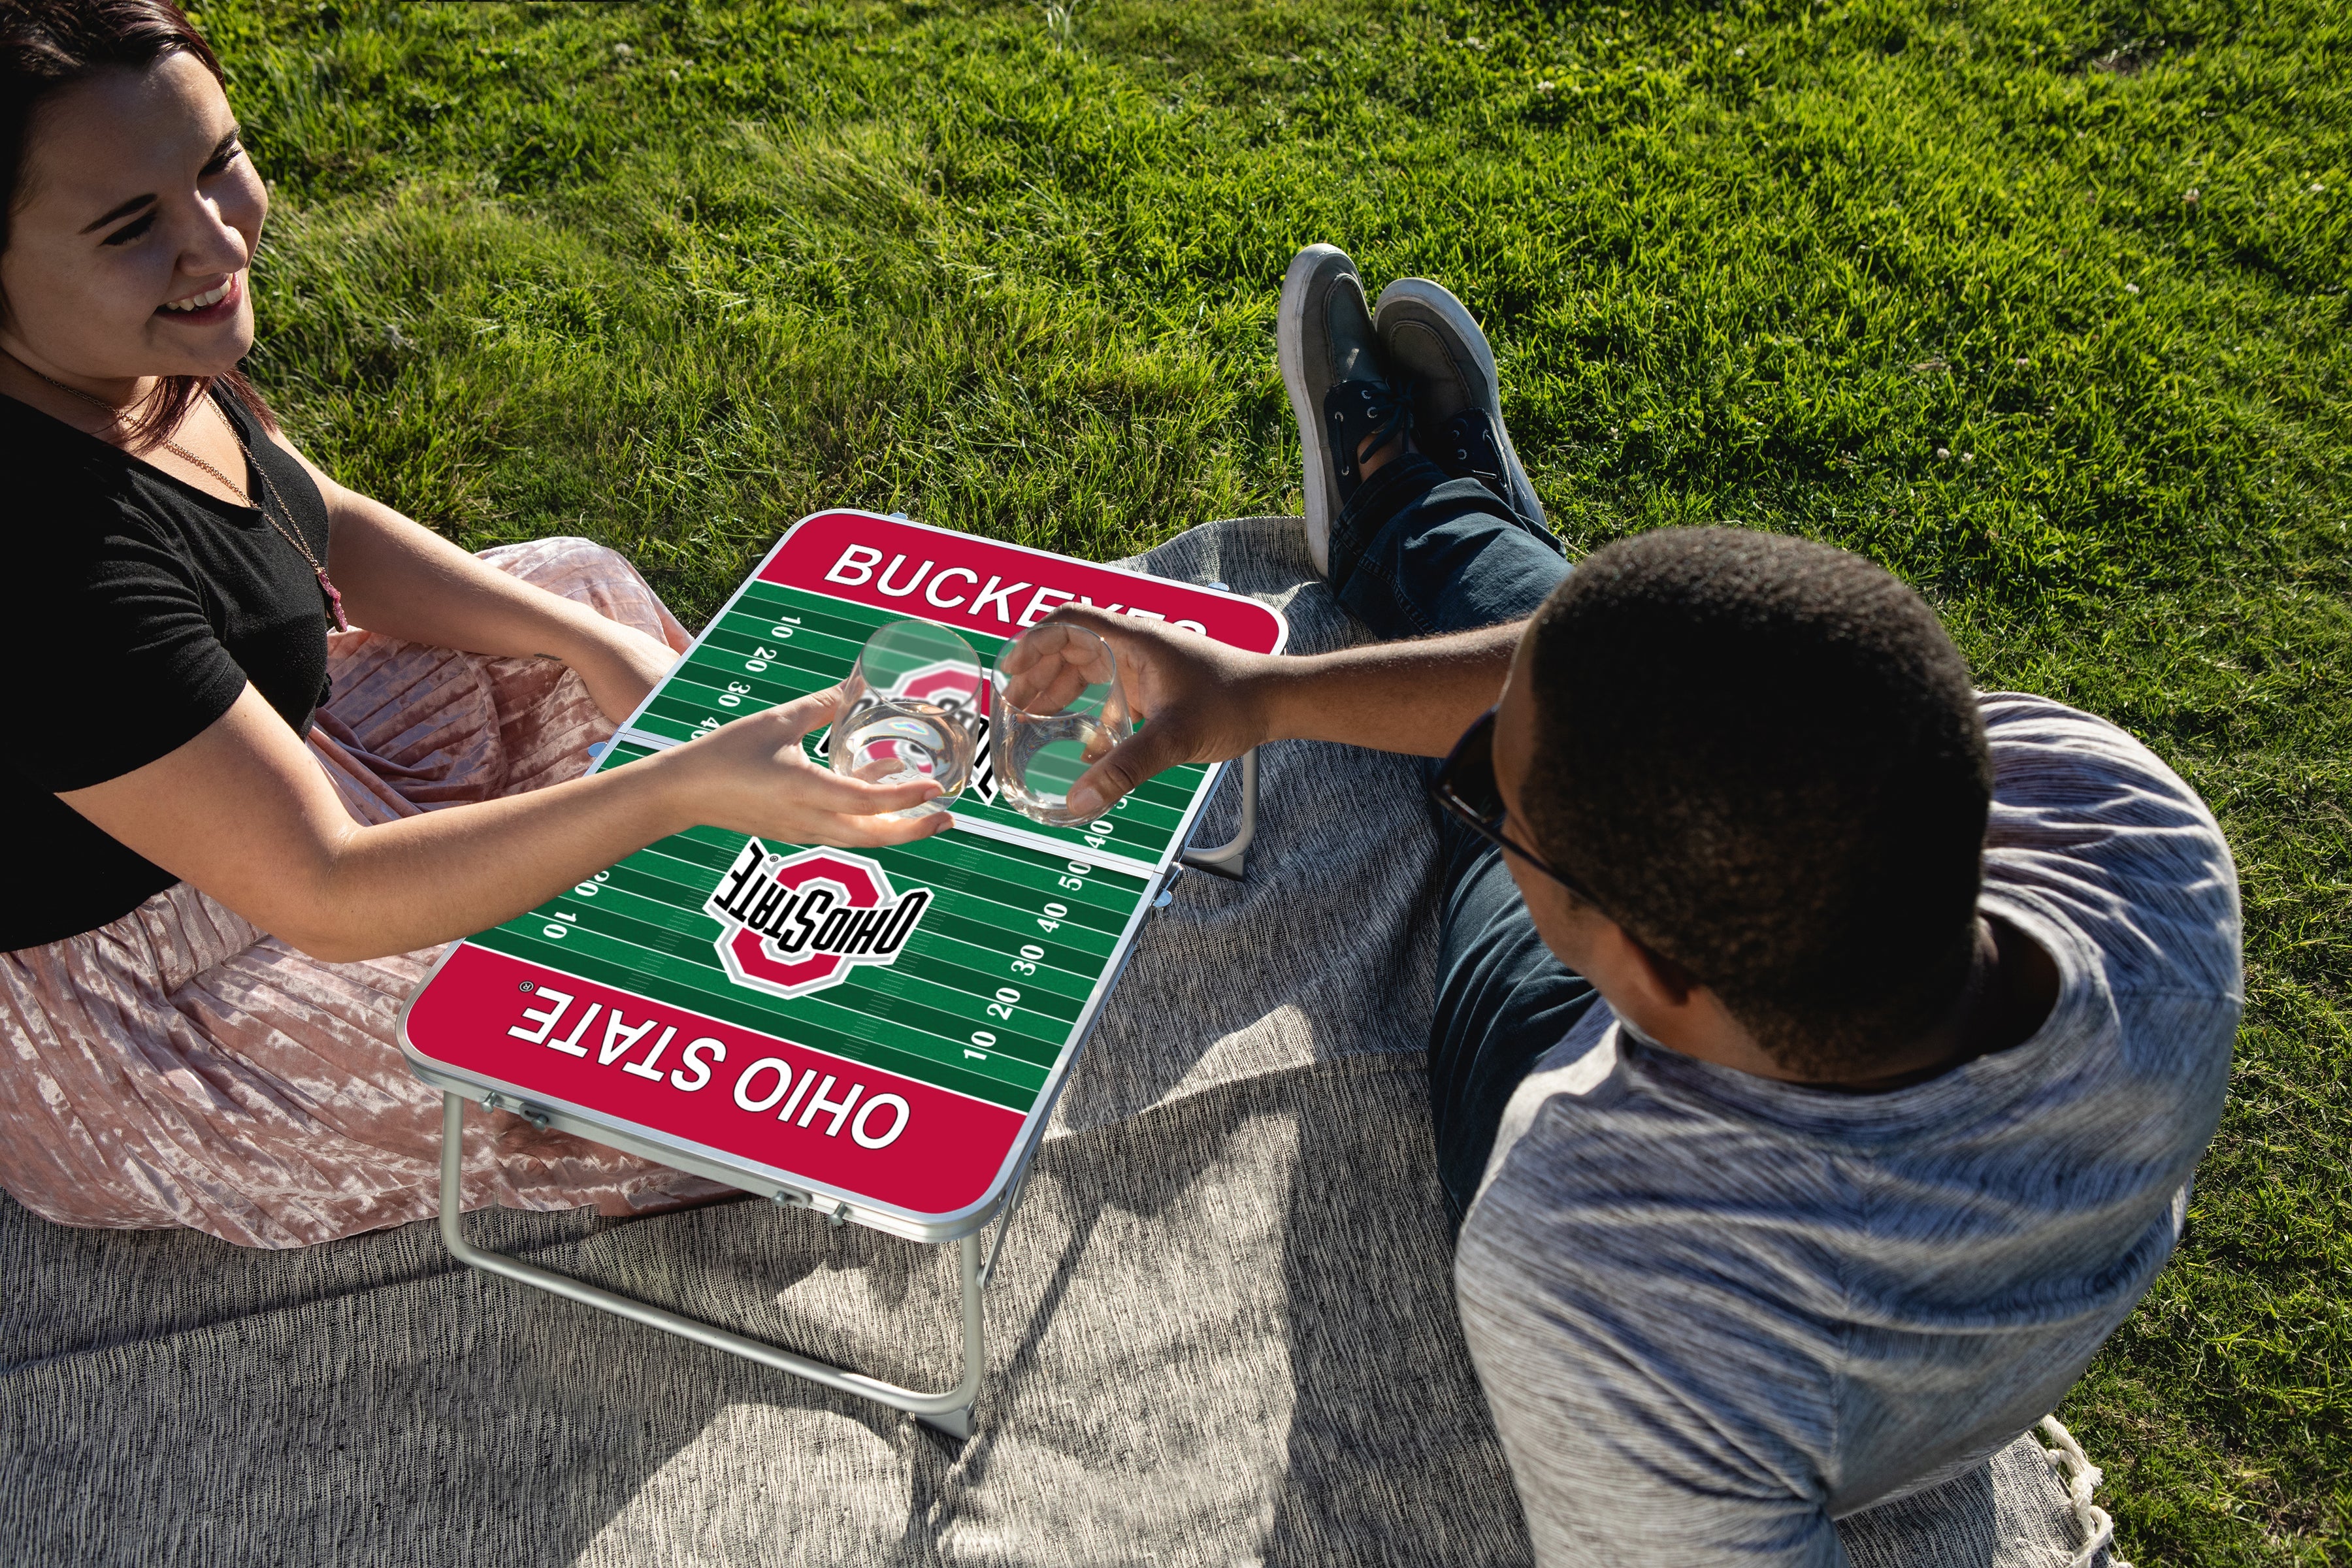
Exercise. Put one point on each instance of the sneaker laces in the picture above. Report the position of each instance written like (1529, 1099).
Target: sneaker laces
(1365, 416)
(1471, 434)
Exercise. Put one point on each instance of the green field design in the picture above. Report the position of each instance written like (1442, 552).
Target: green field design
(641, 926)
(774, 644)
(1007, 918)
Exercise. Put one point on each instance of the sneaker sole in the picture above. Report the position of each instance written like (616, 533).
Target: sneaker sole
(1464, 329)
(1290, 353)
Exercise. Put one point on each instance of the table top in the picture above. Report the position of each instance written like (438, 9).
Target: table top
(880, 1032)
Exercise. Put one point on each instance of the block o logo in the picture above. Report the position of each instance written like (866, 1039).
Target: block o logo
(794, 924)
(949, 685)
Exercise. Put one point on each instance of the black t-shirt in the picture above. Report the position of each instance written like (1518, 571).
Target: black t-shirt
(140, 609)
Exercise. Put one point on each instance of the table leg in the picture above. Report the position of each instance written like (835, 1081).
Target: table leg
(951, 1412)
(1229, 859)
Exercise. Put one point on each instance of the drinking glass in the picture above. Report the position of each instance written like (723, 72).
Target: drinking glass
(1057, 709)
(912, 709)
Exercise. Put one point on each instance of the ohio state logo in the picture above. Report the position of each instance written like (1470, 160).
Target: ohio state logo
(949, 685)
(794, 924)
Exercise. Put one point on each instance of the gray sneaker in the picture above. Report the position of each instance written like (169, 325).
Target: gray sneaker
(1337, 380)
(1435, 346)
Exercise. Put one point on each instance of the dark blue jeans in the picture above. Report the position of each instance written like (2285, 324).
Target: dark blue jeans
(1415, 554)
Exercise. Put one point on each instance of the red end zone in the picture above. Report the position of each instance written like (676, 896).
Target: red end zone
(959, 581)
(866, 1132)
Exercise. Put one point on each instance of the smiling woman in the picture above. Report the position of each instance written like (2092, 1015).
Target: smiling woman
(240, 835)
(97, 315)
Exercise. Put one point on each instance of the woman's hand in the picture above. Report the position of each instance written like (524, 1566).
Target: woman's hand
(753, 776)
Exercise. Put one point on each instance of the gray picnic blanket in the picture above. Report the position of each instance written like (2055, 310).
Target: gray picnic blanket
(1223, 1331)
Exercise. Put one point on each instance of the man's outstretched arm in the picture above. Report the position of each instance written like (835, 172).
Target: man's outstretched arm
(1209, 703)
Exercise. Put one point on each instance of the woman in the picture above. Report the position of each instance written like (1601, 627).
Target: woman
(240, 835)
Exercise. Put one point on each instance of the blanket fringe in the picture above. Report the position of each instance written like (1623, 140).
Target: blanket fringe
(2081, 1477)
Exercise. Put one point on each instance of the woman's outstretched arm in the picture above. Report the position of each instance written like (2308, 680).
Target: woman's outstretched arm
(244, 813)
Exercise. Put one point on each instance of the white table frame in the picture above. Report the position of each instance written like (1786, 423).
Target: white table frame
(951, 1411)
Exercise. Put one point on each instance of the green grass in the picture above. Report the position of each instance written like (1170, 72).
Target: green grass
(1013, 269)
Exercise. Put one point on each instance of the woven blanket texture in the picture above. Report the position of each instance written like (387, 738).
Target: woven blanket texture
(1223, 1331)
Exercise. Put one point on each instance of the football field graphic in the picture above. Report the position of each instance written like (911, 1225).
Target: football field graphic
(880, 1025)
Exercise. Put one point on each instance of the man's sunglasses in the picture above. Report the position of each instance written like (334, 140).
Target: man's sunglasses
(1463, 786)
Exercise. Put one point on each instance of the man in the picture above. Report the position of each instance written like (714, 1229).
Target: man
(1822, 1050)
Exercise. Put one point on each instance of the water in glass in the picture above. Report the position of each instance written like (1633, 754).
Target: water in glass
(1058, 709)
(910, 711)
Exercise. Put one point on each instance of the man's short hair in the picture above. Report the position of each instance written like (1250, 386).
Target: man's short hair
(1764, 757)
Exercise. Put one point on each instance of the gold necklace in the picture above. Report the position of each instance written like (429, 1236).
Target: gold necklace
(268, 493)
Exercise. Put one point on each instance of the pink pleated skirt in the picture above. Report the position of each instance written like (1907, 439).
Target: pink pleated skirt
(180, 1067)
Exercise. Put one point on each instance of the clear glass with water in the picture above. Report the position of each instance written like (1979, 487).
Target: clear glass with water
(1057, 709)
(910, 710)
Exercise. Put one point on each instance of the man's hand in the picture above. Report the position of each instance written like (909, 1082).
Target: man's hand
(1207, 703)
(1203, 700)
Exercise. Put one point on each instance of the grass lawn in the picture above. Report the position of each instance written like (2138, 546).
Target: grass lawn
(2040, 304)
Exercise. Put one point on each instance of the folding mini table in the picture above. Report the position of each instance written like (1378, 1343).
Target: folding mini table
(879, 1036)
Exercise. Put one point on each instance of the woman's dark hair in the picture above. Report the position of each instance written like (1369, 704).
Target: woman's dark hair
(47, 46)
